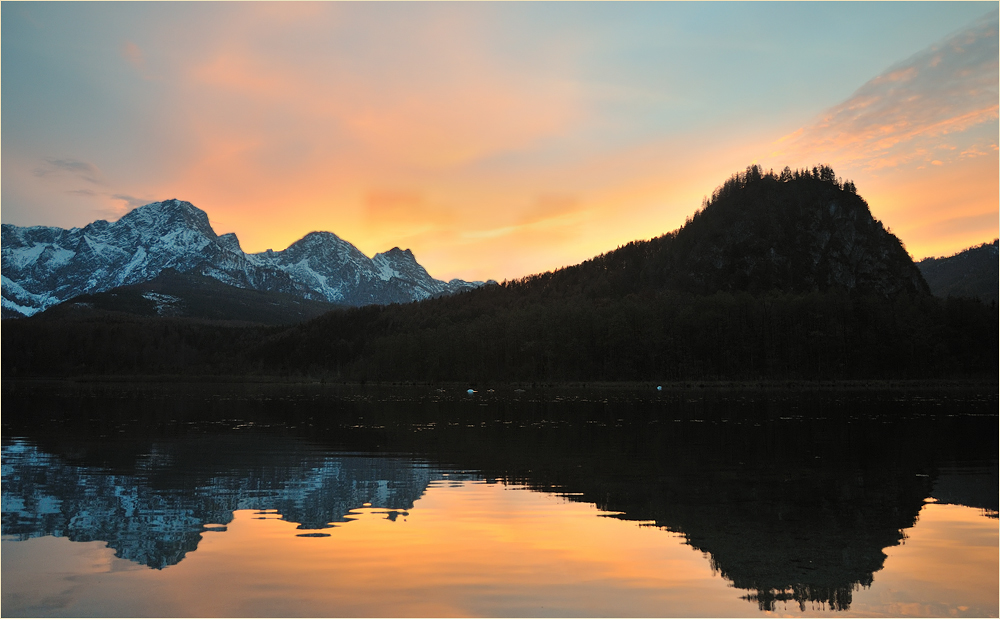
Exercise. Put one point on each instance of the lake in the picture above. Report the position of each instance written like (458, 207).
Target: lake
(319, 500)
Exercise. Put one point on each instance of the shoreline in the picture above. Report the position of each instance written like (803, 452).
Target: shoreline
(936, 384)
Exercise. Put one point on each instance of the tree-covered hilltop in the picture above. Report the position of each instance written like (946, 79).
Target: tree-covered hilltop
(798, 231)
(974, 272)
(776, 276)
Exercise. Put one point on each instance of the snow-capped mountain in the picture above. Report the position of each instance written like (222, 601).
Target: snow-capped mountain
(148, 520)
(43, 266)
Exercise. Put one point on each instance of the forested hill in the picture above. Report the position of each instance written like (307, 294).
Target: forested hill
(970, 273)
(797, 231)
(776, 276)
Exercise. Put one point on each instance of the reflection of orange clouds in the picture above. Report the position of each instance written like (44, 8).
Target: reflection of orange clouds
(476, 549)
(468, 550)
(939, 572)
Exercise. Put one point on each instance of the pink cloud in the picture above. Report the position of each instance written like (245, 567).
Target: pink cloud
(899, 116)
(133, 55)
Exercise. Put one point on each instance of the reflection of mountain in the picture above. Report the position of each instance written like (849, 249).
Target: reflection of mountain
(789, 505)
(156, 514)
(792, 496)
(786, 535)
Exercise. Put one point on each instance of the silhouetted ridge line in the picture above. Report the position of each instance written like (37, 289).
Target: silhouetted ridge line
(970, 273)
(777, 276)
(797, 231)
(45, 266)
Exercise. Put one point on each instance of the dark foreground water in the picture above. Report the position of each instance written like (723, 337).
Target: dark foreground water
(244, 500)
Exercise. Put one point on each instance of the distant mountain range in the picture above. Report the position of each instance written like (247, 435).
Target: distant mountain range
(973, 272)
(44, 266)
(777, 275)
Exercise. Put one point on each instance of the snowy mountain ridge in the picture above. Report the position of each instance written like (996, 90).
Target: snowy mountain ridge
(43, 266)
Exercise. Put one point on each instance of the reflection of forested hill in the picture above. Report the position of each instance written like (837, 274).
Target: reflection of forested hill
(810, 535)
(791, 499)
(793, 496)
(157, 512)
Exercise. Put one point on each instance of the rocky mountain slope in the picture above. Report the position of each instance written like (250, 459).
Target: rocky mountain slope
(190, 295)
(43, 266)
(973, 272)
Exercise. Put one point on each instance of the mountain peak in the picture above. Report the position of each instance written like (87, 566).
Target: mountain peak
(44, 266)
(399, 254)
(316, 240)
(320, 236)
(230, 242)
(794, 231)
(157, 216)
(323, 246)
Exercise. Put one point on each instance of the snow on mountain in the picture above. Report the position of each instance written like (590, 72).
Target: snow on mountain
(156, 525)
(399, 265)
(43, 266)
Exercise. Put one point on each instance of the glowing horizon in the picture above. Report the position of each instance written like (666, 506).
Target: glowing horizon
(494, 140)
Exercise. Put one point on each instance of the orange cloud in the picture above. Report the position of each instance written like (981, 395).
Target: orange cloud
(487, 168)
(279, 143)
(394, 110)
(550, 206)
(402, 216)
(940, 209)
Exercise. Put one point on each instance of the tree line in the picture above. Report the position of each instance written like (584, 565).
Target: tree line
(512, 333)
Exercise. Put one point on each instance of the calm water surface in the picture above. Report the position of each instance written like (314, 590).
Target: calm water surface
(318, 501)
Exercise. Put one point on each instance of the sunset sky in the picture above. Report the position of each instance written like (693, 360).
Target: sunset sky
(494, 140)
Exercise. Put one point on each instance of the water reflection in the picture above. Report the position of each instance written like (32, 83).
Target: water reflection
(787, 507)
(157, 513)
